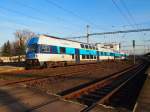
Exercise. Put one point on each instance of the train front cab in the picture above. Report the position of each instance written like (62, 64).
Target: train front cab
(31, 56)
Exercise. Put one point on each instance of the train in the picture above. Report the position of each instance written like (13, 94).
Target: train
(48, 51)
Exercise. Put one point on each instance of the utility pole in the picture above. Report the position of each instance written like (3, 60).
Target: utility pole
(134, 50)
(119, 46)
(87, 33)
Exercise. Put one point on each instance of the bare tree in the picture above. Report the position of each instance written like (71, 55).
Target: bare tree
(22, 37)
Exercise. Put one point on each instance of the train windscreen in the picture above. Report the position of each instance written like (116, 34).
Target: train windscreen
(32, 48)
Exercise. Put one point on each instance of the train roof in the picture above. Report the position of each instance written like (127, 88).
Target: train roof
(66, 39)
(63, 39)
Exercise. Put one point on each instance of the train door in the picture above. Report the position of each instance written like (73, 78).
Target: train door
(77, 55)
(97, 56)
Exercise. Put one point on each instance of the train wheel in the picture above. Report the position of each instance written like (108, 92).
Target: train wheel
(49, 64)
(27, 68)
(45, 65)
(65, 64)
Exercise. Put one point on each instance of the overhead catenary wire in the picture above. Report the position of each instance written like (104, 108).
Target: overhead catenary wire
(122, 13)
(28, 16)
(129, 13)
(20, 13)
(115, 32)
(45, 13)
(69, 12)
(13, 21)
(36, 9)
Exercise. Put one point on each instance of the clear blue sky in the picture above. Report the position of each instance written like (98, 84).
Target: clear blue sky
(67, 18)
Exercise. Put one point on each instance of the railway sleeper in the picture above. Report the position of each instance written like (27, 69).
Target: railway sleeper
(97, 96)
(115, 102)
(86, 100)
(90, 96)
(96, 93)
(86, 96)
(104, 90)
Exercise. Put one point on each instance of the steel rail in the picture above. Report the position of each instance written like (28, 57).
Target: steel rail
(105, 99)
(95, 85)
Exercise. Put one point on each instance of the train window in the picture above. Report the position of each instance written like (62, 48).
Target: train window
(100, 53)
(82, 46)
(87, 56)
(62, 50)
(45, 48)
(83, 56)
(103, 53)
(91, 56)
(94, 57)
(106, 53)
(32, 48)
(90, 47)
(86, 46)
(54, 50)
(72, 56)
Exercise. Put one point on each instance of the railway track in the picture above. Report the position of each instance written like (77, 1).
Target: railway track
(72, 74)
(57, 76)
(108, 90)
(101, 91)
(75, 74)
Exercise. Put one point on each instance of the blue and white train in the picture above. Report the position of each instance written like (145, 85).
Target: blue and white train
(47, 51)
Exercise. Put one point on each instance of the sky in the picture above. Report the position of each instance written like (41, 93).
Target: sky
(68, 18)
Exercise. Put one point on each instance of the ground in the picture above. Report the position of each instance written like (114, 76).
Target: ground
(143, 102)
(63, 78)
(28, 95)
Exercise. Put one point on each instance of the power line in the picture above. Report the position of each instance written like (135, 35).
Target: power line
(68, 11)
(22, 24)
(31, 17)
(121, 12)
(36, 10)
(76, 37)
(128, 25)
(16, 22)
(41, 12)
(129, 13)
(121, 31)
(114, 32)
(20, 13)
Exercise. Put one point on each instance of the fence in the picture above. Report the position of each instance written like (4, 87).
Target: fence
(20, 58)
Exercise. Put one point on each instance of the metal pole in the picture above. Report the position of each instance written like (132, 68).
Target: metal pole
(134, 50)
(134, 55)
(87, 33)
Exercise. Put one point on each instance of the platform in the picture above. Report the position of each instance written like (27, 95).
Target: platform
(143, 102)
(22, 99)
